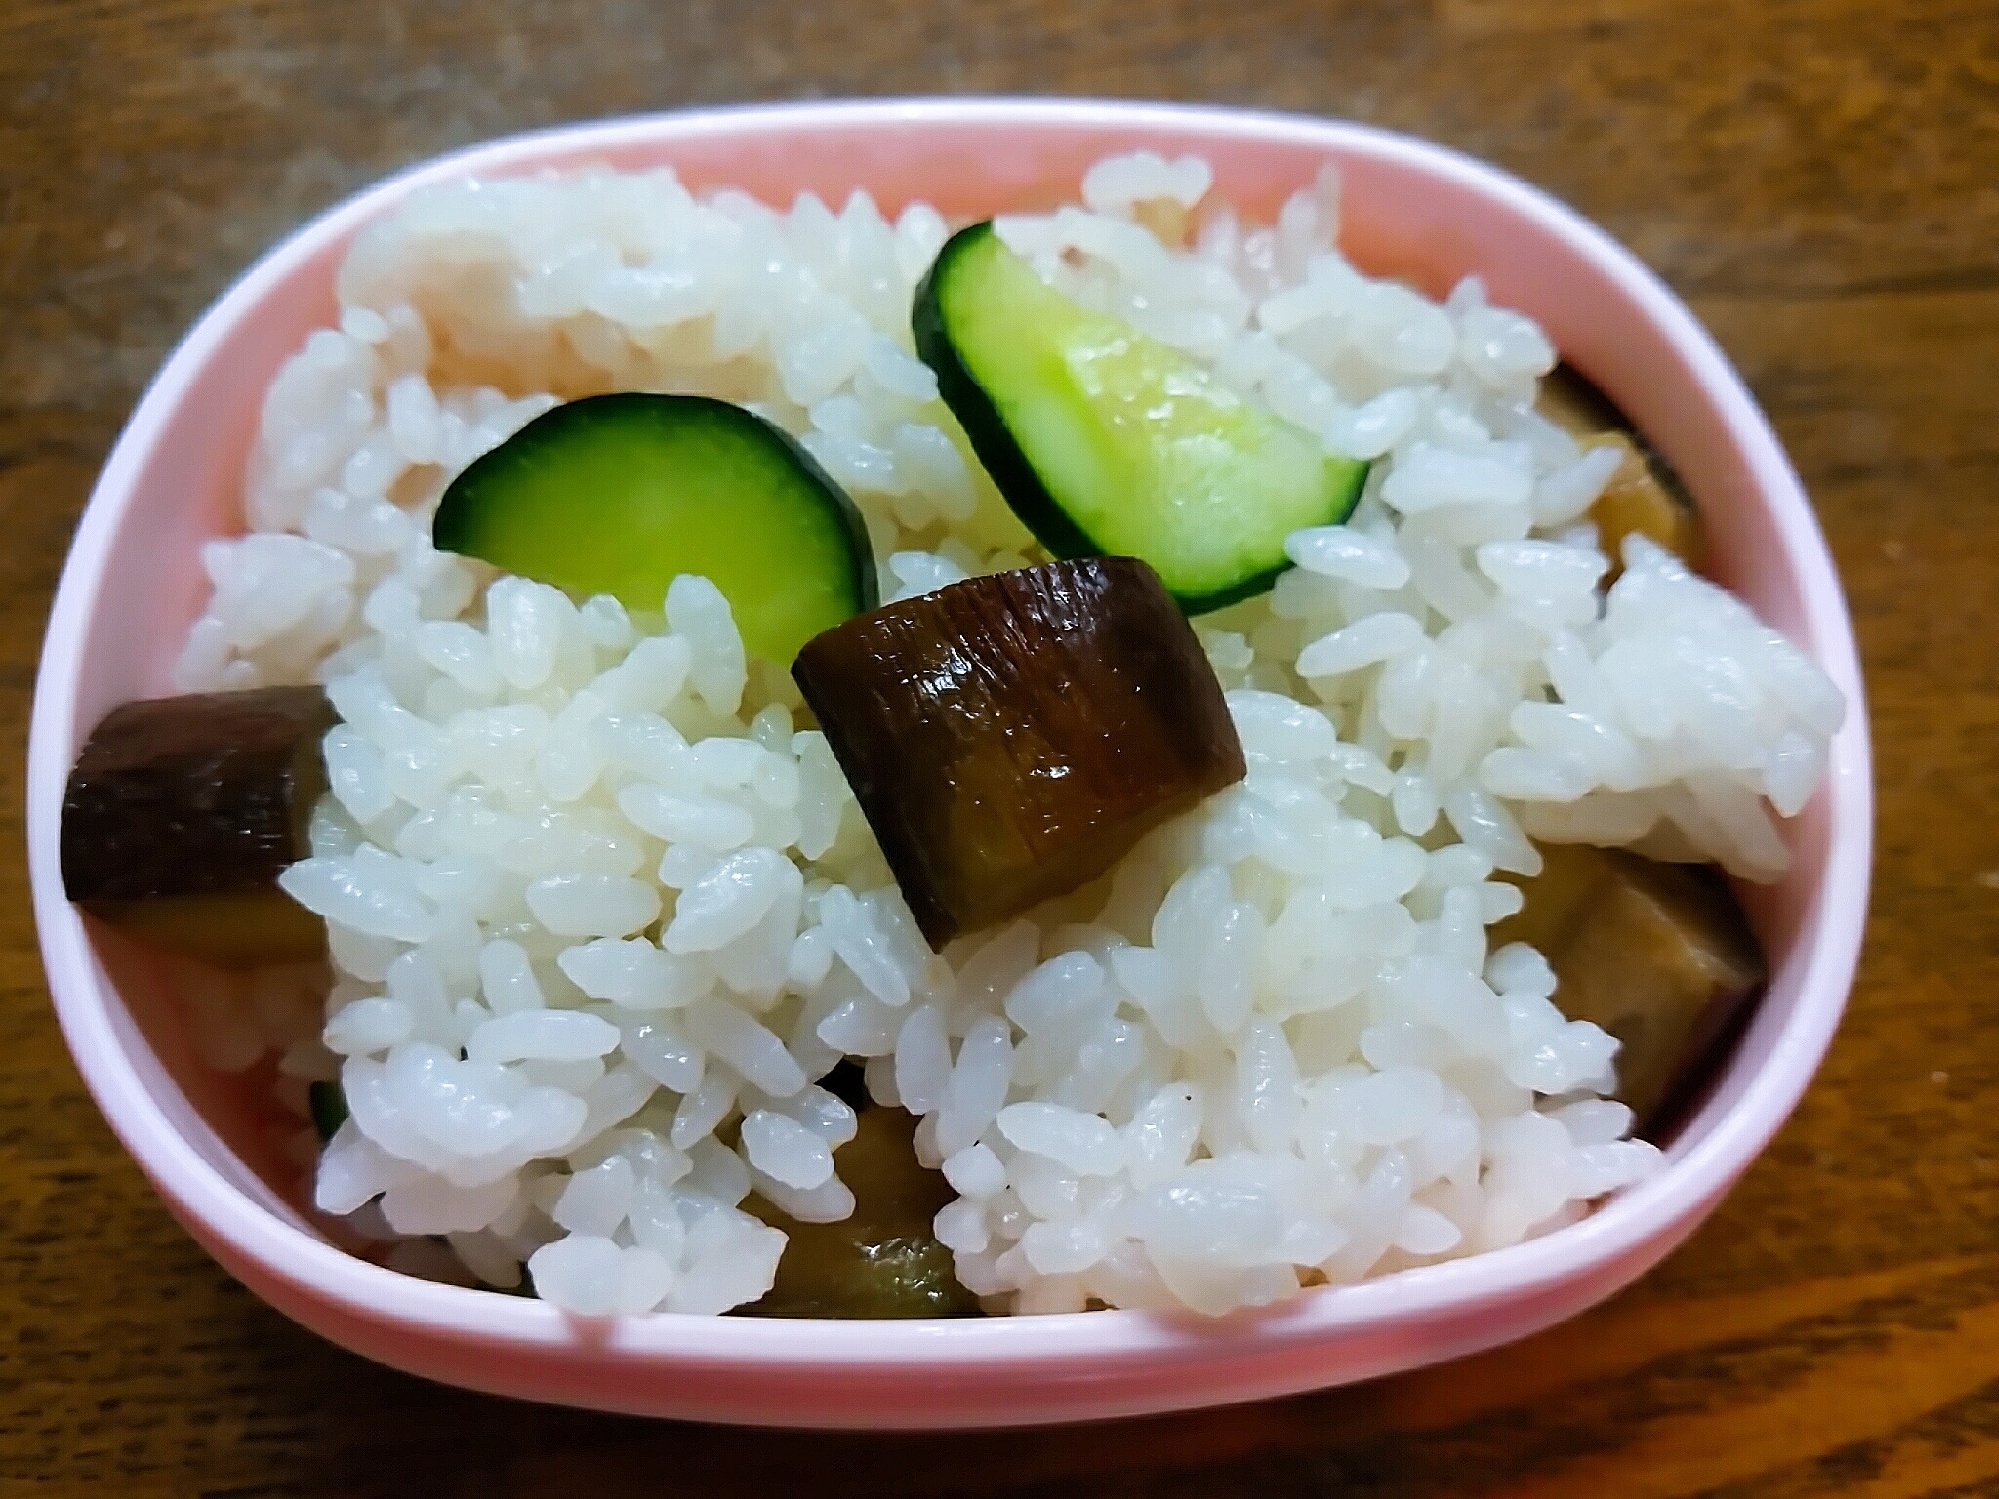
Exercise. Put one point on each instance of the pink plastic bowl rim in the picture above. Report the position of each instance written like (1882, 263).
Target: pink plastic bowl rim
(1659, 1208)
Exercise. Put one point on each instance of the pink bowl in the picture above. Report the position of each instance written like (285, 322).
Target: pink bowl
(133, 583)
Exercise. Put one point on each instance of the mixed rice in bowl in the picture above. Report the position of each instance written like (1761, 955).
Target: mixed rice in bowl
(618, 967)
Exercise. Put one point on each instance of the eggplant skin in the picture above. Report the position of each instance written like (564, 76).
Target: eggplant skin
(1010, 737)
(206, 794)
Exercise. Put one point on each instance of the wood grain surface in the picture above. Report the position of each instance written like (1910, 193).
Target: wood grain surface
(1820, 178)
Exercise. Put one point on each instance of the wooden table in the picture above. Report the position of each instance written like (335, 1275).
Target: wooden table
(1818, 179)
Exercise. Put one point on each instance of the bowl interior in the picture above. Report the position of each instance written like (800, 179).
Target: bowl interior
(135, 580)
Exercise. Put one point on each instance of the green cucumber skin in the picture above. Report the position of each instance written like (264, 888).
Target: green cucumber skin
(1004, 460)
(457, 523)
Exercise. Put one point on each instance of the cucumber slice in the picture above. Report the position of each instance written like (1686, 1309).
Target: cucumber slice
(1106, 441)
(621, 494)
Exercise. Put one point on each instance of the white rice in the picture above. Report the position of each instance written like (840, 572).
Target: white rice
(593, 895)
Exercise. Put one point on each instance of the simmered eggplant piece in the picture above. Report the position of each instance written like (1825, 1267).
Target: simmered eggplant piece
(883, 1261)
(1657, 954)
(1644, 494)
(1011, 736)
(182, 812)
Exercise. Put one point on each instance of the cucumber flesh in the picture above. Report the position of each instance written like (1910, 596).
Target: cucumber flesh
(1108, 442)
(622, 493)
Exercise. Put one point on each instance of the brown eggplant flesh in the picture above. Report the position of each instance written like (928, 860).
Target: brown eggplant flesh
(883, 1261)
(234, 929)
(1010, 737)
(1657, 954)
(1644, 494)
